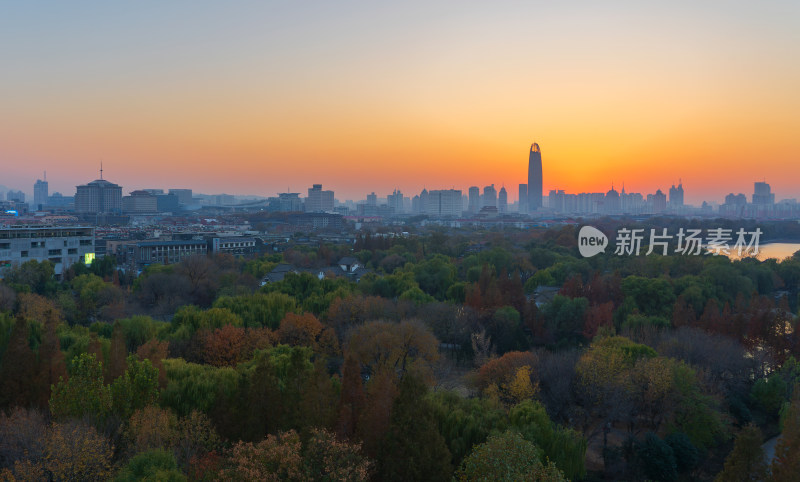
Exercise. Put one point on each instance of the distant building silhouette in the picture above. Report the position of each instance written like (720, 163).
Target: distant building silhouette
(474, 199)
(289, 202)
(184, 196)
(657, 203)
(140, 202)
(534, 178)
(319, 201)
(611, 204)
(16, 196)
(762, 194)
(502, 200)
(676, 196)
(98, 197)
(489, 197)
(395, 202)
(443, 203)
(40, 193)
(522, 203)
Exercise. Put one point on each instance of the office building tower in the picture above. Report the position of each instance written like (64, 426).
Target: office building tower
(522, 202)
(99, 196)
(611, 203)
(16, 196)
(534, 178)
(762, 194)
(40, 193)
(289, 202)
(489, 197)
(676, 196)
(502, 200)
(319, 201)
(474, 199)
(395, 202)
(442, 203)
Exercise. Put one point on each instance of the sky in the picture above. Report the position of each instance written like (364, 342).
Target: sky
(260, 97)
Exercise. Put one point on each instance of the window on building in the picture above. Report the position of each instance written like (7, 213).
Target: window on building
(23, 254)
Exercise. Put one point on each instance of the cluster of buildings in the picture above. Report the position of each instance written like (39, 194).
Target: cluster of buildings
(762, 205)
(102, 202)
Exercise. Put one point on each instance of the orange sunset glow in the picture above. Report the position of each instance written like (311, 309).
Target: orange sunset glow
(363, 97)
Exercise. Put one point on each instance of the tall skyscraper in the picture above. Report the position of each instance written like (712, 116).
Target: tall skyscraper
(474, 199)
(762, 194)
(522, 202)
(502, 200)
(534, 178)
(676, 196)
(40, 193)
(489, 197)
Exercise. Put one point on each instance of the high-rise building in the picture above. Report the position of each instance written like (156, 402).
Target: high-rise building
(502, 200)
(442, 203)
(40, 193)
(534, 178)
(17, 196)
(319, 201)
(522, 203)
(676, 196)
(762, 194)
(474, 199)
(289, 202)
(657, 202)
(489, 197)
(99, 196)
(395, 201)
(611, 204)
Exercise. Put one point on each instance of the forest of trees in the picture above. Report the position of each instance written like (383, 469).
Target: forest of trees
(449, 361)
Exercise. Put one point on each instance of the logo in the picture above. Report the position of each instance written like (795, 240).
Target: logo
(591, 241)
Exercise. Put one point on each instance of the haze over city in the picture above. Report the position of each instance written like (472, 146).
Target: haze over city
(364, 97)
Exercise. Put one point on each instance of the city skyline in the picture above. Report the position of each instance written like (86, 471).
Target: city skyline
(365, 191)
(374, 97)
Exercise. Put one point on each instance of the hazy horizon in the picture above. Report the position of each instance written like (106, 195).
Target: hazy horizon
(365, 97)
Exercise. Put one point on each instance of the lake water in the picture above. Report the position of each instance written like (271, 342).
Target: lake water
(777, 250)
(774, 250)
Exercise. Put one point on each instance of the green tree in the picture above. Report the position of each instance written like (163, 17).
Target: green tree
(17, 370)
(413, 448)
(746, 462)
(135, 389)
(259, 309)
(84, 393)
(507, 457)
(435, 275)
(657, 459)
(153, 465)
(566, 448)
(786, 464)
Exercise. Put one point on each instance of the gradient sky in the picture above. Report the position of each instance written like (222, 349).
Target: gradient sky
(255, 97)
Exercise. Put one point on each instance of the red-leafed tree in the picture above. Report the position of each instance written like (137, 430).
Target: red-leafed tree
(597, 317)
